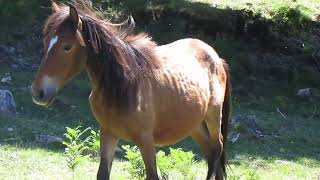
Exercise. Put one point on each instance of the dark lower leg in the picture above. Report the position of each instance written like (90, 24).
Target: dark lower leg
(148, 152)
(107, 146)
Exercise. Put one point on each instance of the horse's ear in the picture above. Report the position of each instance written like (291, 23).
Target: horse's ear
(74, 15)
(55, 7)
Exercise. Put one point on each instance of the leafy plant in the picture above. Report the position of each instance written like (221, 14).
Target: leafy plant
(75, 146)
(246, 175)
(176, 161)
(136, 166)
(94, 143)
(182, 161)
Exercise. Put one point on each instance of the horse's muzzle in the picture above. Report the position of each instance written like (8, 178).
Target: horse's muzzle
(43, 95)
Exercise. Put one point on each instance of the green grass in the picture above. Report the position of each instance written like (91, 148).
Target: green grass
(267, 8)
(289, 151)
(38, 163)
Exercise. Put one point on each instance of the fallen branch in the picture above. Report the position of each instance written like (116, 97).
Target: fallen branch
(281, 113)
(314, 112)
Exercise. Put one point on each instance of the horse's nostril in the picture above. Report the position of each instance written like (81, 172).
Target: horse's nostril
(38, 95)
(41, 94)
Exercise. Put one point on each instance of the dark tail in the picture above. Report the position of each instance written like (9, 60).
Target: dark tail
(226, 113)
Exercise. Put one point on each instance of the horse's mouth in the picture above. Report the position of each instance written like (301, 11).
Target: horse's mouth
(46, 103)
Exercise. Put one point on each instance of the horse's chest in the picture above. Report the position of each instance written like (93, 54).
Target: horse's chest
(102, 114)
(120, 125)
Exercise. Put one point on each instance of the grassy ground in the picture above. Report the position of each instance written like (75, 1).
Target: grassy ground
(267, 8)
(289, 150)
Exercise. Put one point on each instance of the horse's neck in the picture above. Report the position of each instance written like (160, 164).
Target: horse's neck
(92, 71)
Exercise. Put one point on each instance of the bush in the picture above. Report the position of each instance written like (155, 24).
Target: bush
(136, 166)
(292, 17)
(75, 146)
(177, 161)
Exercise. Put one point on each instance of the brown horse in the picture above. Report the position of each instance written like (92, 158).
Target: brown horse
(148, 94)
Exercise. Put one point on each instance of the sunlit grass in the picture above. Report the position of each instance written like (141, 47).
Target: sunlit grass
(37, 163)
(267, 8)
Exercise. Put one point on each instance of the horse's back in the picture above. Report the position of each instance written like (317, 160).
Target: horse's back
(182, 89)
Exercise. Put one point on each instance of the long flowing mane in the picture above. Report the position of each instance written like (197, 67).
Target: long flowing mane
(118, 59)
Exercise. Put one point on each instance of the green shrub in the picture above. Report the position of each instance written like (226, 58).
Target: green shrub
(177, 161)
(136, 166)
(292, 17)
(246, 175)
(75, 146)
(94, 143)
(181, 161)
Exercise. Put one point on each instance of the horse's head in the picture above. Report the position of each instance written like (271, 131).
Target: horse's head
(65, 54)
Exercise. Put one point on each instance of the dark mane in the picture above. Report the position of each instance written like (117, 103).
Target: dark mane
(118, 59)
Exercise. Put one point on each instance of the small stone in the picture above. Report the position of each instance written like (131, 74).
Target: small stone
(235, 137)
(34, 66)
(14, 156)
(282, 162)
(10, 129)
(11, 50)
(304, 92)
(6, 79)
(48, 139)
(14, 66)
(3, 48)
(7, 103)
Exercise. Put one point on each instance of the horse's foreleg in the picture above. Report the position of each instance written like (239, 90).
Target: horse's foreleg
(213, 122)
(146, 146)
(107, 147)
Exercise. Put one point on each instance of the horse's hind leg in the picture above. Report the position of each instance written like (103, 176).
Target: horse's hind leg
(202, 137)
(213, 123)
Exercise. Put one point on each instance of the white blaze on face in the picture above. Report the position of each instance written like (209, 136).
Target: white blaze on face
(52, 42)
(47, 82)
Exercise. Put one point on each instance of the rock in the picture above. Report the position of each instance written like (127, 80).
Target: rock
(14, 66)
(5, 49)
(34, 66)
(11, 50)
(9, 129)
(246, 123)
(14, 156)
(6, 79)
(235, 137)
(48, 139)
(304, 92)
(7, 103)
(282, 162)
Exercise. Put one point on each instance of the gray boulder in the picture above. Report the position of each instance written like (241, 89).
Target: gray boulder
(7, 103)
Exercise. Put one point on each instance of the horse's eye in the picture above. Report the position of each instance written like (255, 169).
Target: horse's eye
(67, 47)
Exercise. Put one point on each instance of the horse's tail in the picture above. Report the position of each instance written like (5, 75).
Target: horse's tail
(226, 113)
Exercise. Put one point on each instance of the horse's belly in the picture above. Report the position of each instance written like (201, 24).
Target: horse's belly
(178, 115)
(171, 134)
